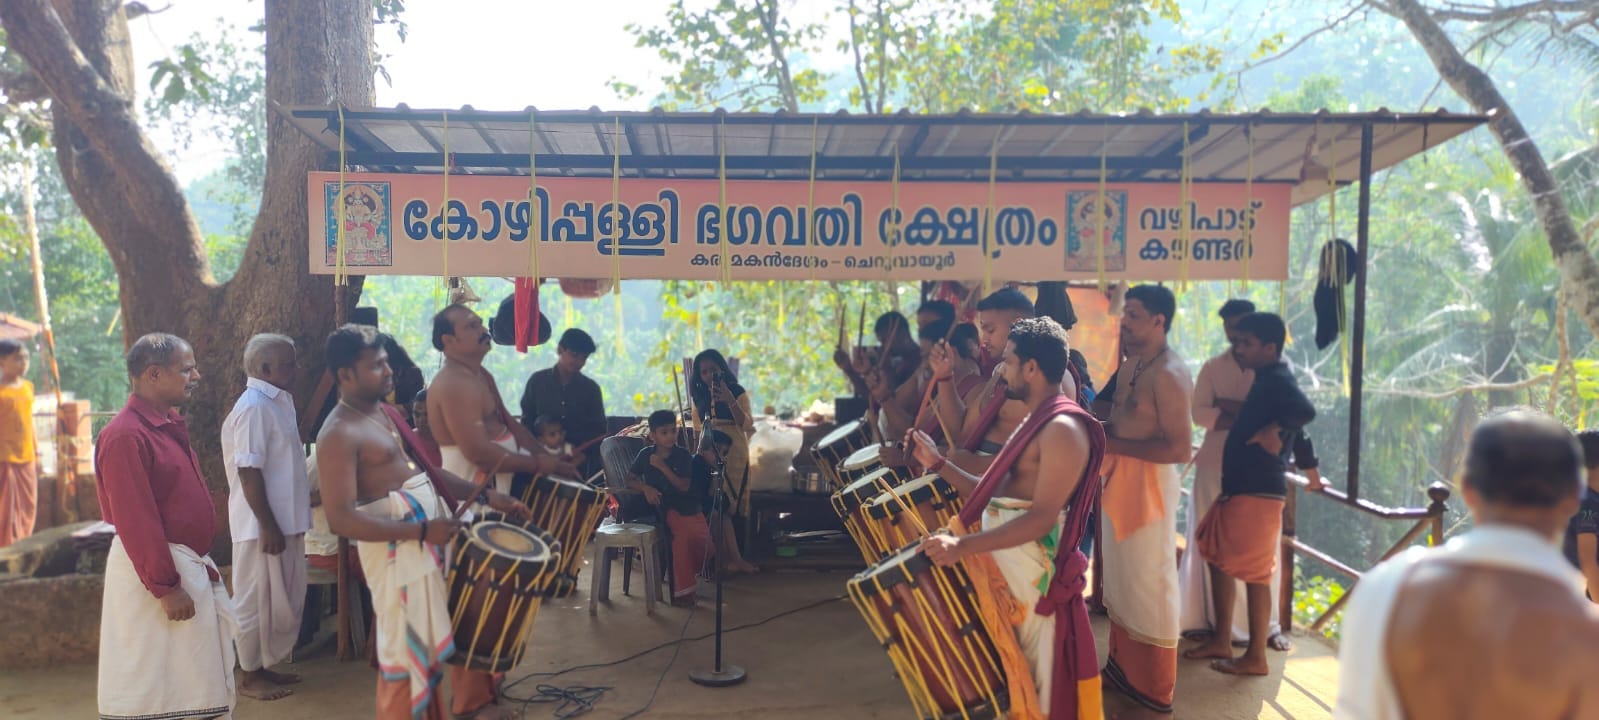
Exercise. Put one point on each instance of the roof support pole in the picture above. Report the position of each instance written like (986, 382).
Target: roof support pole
(1357, 329)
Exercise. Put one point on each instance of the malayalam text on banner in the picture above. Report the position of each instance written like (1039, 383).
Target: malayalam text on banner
(664, 228)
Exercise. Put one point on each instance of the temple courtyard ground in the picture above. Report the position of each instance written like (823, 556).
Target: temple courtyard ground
(818, 662)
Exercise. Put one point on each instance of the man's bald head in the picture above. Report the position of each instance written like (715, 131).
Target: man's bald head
(1522, 458)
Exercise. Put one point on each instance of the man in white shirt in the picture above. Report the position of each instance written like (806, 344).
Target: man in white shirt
(1219, 392)
(1494, 623)
(269, 512)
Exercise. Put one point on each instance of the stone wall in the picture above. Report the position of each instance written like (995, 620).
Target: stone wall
(51, 621)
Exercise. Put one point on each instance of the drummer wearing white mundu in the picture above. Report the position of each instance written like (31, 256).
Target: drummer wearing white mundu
(379, 495)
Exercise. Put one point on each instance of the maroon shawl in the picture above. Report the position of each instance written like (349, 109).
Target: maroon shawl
(1074, 638)
(413, 445)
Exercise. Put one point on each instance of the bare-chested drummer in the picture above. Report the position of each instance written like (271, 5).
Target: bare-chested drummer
(475, 433)
(983, 419)
(1493, 624)
(376, 492)
(1148, 438)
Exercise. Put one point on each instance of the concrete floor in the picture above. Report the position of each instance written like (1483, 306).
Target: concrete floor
(817, 663)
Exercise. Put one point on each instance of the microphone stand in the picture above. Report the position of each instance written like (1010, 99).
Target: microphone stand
(719, 675)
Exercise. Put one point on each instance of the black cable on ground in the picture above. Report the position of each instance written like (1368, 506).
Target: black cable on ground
(577, 699)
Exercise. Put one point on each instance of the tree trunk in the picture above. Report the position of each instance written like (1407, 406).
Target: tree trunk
(1579, 273)
(317, 53)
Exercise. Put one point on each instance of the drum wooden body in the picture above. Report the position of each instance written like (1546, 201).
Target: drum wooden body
(865, 460)
(928, 622)
(899, 516)
(570, 511)
(837, 445)
(498, 576)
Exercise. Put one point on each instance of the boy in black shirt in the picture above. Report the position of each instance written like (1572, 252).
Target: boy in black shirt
(1239, 537)
(1582, 534)
(665, 474)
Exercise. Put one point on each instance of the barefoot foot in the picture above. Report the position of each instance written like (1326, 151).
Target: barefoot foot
(1222, 650)
(255, 685)
(1279, 642)
(280, 678)
(1240, 666)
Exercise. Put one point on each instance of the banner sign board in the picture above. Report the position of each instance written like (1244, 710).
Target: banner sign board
(667, 228)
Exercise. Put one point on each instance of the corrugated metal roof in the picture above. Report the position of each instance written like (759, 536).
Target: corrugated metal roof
(1141, 147)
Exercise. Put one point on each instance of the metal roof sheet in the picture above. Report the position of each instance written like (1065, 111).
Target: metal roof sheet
(1140, 147)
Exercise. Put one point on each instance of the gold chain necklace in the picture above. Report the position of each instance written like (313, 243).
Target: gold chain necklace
(387, 427)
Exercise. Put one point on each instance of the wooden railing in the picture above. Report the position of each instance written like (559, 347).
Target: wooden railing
(1428, 519)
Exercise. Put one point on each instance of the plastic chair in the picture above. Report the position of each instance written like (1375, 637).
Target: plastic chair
(625, 538)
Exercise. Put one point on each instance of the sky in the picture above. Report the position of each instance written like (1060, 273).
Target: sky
(490, 54)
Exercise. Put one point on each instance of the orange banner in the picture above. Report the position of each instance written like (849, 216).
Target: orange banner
(664, 228)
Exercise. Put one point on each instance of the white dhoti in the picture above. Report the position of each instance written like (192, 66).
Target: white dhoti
(408, 594)
(456, 462)
(152, 668)
(1140, 584)
(1194, 576)
(1141, 570)
(1027, 569)
(269, 597)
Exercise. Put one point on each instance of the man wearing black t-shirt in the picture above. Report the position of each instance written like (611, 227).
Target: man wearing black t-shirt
(1582, 533)
(1240, 535)
(665, 474)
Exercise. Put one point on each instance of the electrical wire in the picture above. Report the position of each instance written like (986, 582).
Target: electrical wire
(576, 700)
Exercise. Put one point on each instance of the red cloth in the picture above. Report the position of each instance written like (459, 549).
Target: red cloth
(472, 689)
(691, 547)
(988, 412)
(150, 487)
(526, 304)
(1074, 638)
(19, 501)
(418, 451)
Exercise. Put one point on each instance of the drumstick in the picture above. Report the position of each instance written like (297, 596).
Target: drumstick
(860, 327)
(841, 314)
(479, 487)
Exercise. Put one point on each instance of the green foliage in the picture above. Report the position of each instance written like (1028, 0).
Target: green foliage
(733, 54)
(228, 80)
(1312, 597)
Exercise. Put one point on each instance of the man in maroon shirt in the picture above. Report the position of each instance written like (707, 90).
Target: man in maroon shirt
(166, 627)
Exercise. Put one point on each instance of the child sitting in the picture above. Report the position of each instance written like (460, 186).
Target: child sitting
(551, 434)
(664, 473)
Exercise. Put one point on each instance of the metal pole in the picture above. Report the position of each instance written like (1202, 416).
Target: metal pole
(1357, 329)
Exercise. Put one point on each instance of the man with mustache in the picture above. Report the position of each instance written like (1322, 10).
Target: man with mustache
(1148, 438)
(166, 625)
(475, 433)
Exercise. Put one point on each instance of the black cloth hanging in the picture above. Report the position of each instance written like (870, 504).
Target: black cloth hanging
(1339, 263)
(502, 327)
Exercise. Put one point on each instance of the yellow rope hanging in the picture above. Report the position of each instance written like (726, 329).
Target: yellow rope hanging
(810, 234)
(340, 270)
(1099, 212)
(990, 220)
(616, 233)
(535, 208)
(1185, 214)
(444, 206)
(721, 198)
(1247, 219)
(894, 233)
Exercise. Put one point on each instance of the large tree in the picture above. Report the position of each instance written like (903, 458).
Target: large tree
(1566, 21)
(79, 51)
